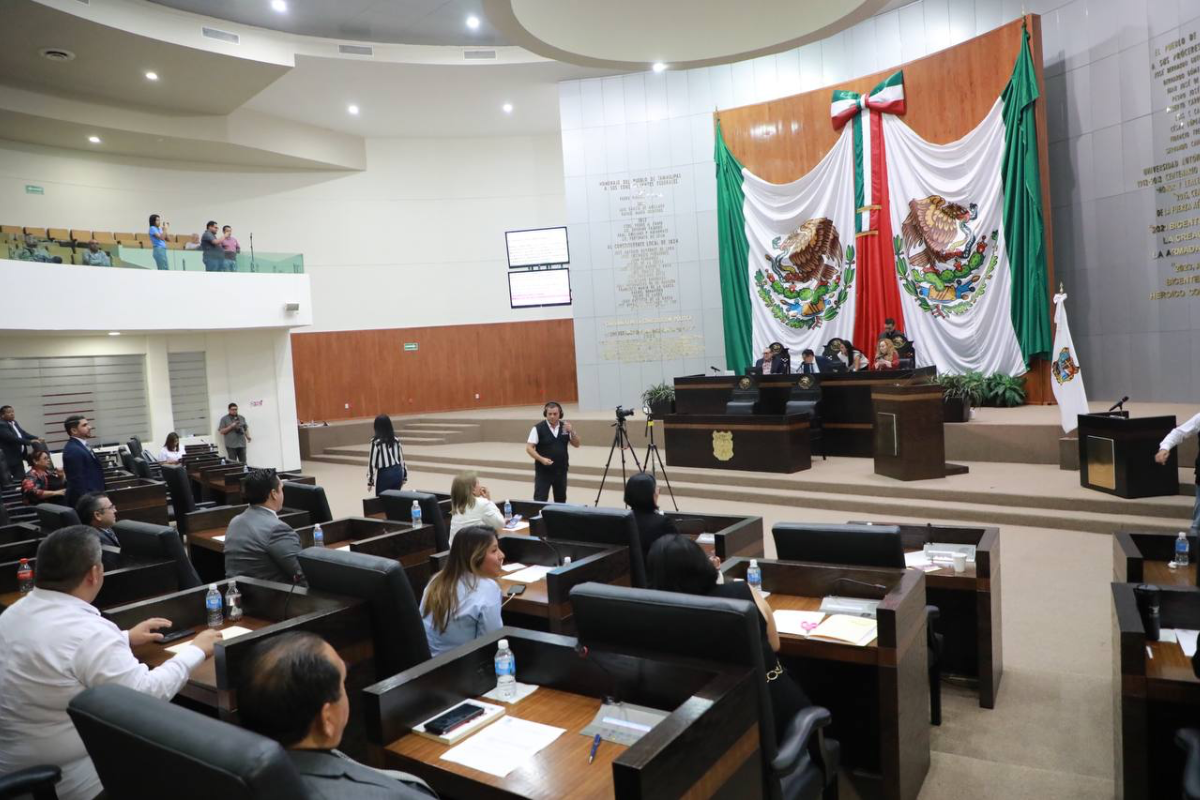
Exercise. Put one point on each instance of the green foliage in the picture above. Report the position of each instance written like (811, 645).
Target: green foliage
(1004, 391)
(658, 393)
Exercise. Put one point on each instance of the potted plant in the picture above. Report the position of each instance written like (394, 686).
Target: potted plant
(660, 398)
(956, 405)
(1004, 391)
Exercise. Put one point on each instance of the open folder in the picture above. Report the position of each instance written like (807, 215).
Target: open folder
(858, 631)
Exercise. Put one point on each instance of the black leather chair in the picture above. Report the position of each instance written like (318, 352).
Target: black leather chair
(805, 398)
(862, 546)
(804, 765)
(135, 446)
(1188, 740)
(177, 752)
(397, 505)
(396, 623)
(611, 526)
(312, 499)
(744, 397)
(157, 541)
(52, 516)
(32, 782)
(140, 467)
(127, 461)
(179, 487)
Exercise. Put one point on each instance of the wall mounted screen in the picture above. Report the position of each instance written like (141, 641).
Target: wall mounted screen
(543, 287)
(534, 248)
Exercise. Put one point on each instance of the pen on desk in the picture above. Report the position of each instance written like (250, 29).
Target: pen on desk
(595, 747)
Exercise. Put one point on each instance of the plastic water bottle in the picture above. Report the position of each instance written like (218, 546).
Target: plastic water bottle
(754, 574)
(416, 514)
(318, 537)
(507, 511)
(233, 602)
(506, 672)
(212, 602)
(1181, 550)
(24, 577)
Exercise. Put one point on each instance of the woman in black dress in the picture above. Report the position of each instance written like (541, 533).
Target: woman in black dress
(641, 495)
(677, 564)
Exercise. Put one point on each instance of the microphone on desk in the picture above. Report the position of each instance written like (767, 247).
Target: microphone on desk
(582, 651)
(1119, 403)
(878, 586)
(295, 582)
(557, 556)
(714, 369)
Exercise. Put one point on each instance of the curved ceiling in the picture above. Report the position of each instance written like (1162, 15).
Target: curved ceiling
(427, 22)
(634, 34)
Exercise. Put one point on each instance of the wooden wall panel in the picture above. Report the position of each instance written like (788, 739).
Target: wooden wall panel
(507, 364)
(948, 93)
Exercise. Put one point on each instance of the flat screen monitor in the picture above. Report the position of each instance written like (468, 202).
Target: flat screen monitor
(537, 247)
(542, 287)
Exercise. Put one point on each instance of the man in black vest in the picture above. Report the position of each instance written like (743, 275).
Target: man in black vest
(547, 446)
(1189, 428)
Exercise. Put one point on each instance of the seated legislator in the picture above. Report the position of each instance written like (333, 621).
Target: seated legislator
(98, 512)
(43, 483)
(471, 504)
(808, 364)
(171, 453)
(886, 356)
(847, 355)
(257, 543)
(890, 331)
(295, 693)
(95, 257)
(770, 364)
(462, 602)
(677, 564)
(641, 495)
(55, 644)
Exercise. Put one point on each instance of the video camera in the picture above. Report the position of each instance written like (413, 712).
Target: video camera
(624, 413)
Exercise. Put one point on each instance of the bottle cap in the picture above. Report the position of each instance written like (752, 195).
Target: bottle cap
(503, 644)
(754, 562)
(566, 560)
(212, 586)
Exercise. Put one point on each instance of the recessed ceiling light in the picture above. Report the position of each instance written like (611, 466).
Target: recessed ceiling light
(94, 139)
(114, 333)
(353, 109)
(473, 22)
(659, 66)
(151, 76)
(279, 5)
(507, 108)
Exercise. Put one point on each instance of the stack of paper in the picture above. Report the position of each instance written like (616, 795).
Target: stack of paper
(513, 567)
(798, 623)
(503, 746)
(1186, 638)
(226, 634)
(844, 628)
(528, 575)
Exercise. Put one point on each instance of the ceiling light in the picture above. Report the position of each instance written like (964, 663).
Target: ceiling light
(114, 333)
(151, 76)
(473, 22)
(94, 139)
(279, 5)
(353, 109)
(659, 66)
(507, 108)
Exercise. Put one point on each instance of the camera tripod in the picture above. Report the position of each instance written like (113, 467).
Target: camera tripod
(654, 460)
(620, 439)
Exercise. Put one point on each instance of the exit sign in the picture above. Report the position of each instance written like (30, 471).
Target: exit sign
(31, 189)
(410, 347)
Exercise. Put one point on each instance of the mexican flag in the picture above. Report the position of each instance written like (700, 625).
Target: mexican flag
(947, 237)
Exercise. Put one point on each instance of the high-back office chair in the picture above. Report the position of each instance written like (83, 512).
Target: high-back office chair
(177, 752)
(127, 462)
(862, 546)
(744, 398)
(396, 625)
(1188, 740)
(52, 516)
(397, 505)
(157, 541)
(32, 782)
(805, 398)
(135, 446)
(140, 467)
(611, 526)
(179, 487)
(803, 765)
(307, 498)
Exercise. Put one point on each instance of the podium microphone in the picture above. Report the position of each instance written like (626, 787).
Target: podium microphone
(1118, 405)
(714, 369)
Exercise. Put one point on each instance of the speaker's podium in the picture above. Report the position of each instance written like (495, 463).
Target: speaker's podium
(910, 444)
(1116, 455)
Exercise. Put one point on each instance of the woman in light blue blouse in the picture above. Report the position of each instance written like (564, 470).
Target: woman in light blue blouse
(159, 231)
(462, 602)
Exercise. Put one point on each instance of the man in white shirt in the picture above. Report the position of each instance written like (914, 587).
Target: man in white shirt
(547, 446)
(1189, 428)
(54, 644)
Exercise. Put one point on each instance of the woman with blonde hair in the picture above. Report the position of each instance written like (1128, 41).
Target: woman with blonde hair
(462, 602)
(471, 504)
(886, 356)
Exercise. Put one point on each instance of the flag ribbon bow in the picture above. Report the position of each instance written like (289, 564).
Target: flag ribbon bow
(886, 98)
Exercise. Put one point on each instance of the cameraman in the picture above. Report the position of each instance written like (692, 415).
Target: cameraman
(235, 429)
(547, 446)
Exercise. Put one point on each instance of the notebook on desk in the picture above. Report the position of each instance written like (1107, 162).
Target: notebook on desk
(846, 629)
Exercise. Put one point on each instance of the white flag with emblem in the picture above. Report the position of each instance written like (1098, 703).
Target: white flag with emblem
(1065, 370)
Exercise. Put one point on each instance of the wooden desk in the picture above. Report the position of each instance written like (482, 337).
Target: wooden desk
(1153, 696)
(133, 579)
(1143, 556)
(399, 541)
(139, 499)
(968, 605)
(19, 532)
(708, 746)
(879, 693)
(732, 536)
(762, 443)
(207, 552)
(269, 611)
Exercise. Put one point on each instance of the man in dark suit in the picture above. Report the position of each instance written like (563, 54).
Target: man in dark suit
(295, 693)
(97, 511)
(257, 543)
(83, 469)
(13, 441)
(770, 364)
